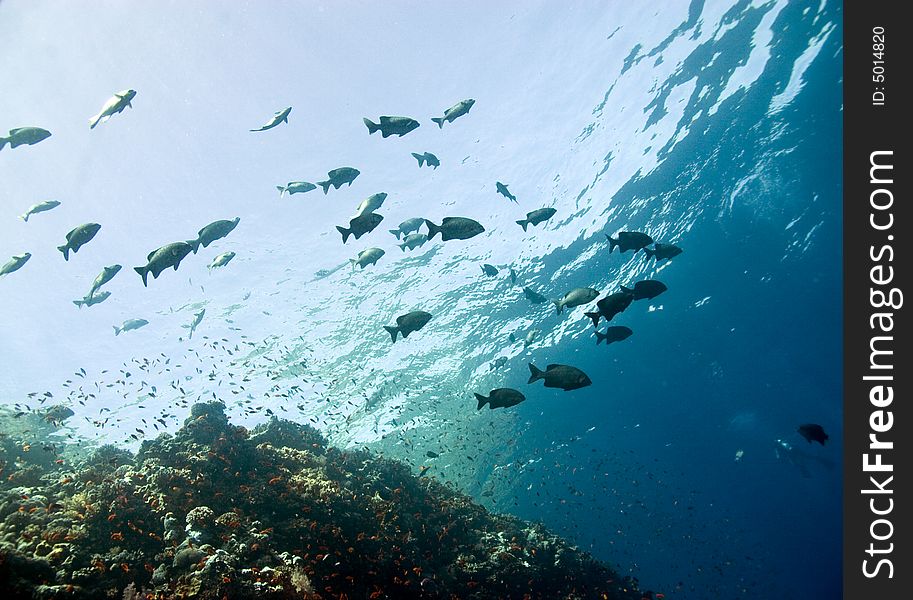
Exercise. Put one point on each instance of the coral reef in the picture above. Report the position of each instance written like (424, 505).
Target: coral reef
(215, 511)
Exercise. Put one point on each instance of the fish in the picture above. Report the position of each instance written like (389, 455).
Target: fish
(813, 432)
(407, 323)
(407, 226)
(370, 204)
(116, 104)
(360, 225)
(221, 260)
(197, 318)
(646, 289)
(338, 178)
(610, 306)
(427, 159)
(24, 136)
(295, 187)
(502, 189)
(39, 208)
(457, 110)
(454, 228)
(15, 263)
(130, 325)
(564, 377)
(106, 275)
(575, 297)
(77, 237)
(513, 276)
(613, 334)
(662, 251)
(537, 216)
(531, 336)
(92, 300)
(280, 117)
(497, 363)
(413, 241)
(629, 240)
(534, 296)
(367, 257)
(158, 260)
(489, 270)
(212, 232)
(431, 454)
(500, 398)
(391, 126)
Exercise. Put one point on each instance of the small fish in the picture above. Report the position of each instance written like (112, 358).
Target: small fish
(370, 204)
(24, 136)
(413, 241)
(431, 454)
(575, 297)
(391, 126)
(531, 336)
(92, 300)
(113, 106)
(360, 225)
(500, 398)
(454, 228)
(646, 289)
(534, 296)
(221, 260)
(407, 226)
(457, 110)
(813, 433)
(295, 187)
(280, 117)
(106, 275)
(427, 158)
(77, 237)
(502, 189)
(629, 240)
(489, 270)
(212, 232)
(158, 260)
(338, 178)
(407, 323)
(367, 257)
(39, 208)
(497, 363)
(15, 263)
(613, 334)
(564, 377)
(537, 216)
(513, 276)
(197, 318)
(130, 325)
(662, 251)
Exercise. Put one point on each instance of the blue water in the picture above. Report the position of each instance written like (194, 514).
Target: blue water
(713, 125)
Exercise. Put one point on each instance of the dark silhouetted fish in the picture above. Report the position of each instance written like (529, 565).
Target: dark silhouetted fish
(534, 296)
(427, 158)
(454, 228)
(457, 110)
(502, 189)
(407, 226)
(497, 363)
(610, 306)
(212, 232)
(564, 377)
(391, 126)
(629, 240)
(360, 225)
(500, 398)
(338, 178)
(489, 270)
(661, 251)
(613, 334)
(813, 433)
(77, 237)
(646, 289)
(408, 323)
(280, 117)
(162, 258)
(513, 276)
(575, 297)
(431, 454)
(537, 216)
(24, 136)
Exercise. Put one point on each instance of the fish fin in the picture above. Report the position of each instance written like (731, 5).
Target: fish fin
(650, 253)
(24, 217)
(534, 374)
(595, 316)
(325, 185)
(143, 271)
(194, 244)
(523, 224)
(439, 121)
(78, 303)
(372, 127)
(282, 190)
(433, 229)
(117, 330)
(392, 331)
(612, 242)
(93, 121)
(66, 251)
(345, 233)
(3, 142)
(402, 247)
(482, 401)
(420, 158)
(601, 337)
(626, 290)
(558, 306)
(394, 232)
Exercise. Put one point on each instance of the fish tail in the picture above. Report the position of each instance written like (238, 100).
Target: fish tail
(420, 158)
(194, 244)
(143, 272)
(325, 185)
(66, 251)
(558, 306)
(523, 223)
(439, 121)
(345, 233)
(117, 330)
(3, 142)
(372, 127)
(79, 303)
(24, 217)
(402, 247)
(353, 261)
(482, 401)
(534, 374)
(392, 331)
(595, 316)
(650, 253)
(282, 190)
(93, 121)
(612, 243)
(601, 337)
(433, 229)
(394, 232)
